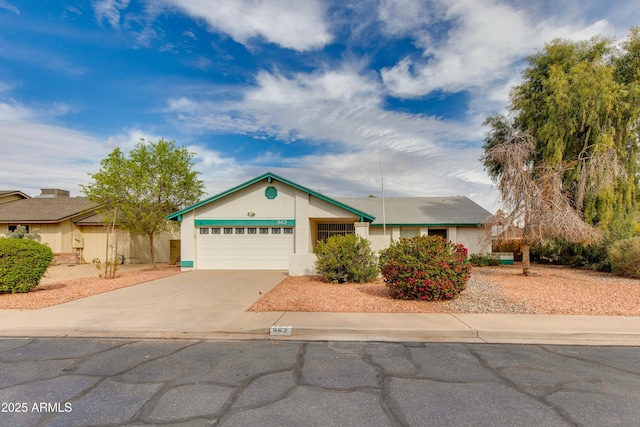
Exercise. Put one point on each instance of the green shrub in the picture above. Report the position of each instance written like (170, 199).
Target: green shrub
(425, 268)
(484, 260)
(625, 257)
(346, 259)
(576, 255)
(23, 262)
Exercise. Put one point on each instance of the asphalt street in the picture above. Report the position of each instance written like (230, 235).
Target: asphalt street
(86, 382)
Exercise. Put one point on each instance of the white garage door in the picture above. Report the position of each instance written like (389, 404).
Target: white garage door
(245, 248)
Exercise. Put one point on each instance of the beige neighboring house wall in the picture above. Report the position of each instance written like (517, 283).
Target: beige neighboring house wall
(134, 247)
(73, 226)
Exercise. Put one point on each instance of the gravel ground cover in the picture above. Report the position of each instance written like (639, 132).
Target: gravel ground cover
(64, 283)
(503, 289)
(550, 290)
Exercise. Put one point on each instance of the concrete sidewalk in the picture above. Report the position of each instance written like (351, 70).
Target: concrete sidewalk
(207, 305)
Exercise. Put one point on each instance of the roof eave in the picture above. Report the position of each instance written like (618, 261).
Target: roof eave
(363, 215)
(81, 214)
(428, 225)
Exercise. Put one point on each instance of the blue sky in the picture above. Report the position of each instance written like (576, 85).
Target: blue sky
(307, 89)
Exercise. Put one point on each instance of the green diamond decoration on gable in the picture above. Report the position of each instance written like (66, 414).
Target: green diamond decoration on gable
(271, 193)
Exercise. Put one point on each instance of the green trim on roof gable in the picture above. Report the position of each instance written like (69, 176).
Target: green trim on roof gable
(426, 225)
(270, 177)
(245, 222)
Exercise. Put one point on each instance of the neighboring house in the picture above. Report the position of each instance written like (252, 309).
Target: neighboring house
(7, 196)
(271, 223)
(72, 227)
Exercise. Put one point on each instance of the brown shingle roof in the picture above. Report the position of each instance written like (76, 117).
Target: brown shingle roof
(95, 219)
(4, 193)
(52, 210)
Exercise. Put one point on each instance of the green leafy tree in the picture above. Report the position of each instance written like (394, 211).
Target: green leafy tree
(154, 180)
(580, 101)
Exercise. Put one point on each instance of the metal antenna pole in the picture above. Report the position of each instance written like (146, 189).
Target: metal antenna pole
(384, 219)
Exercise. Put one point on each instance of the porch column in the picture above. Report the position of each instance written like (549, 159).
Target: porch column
(452, 234)
(362, 229)
(302, 234)
(395, 233)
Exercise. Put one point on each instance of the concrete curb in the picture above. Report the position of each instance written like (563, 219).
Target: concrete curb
(203, 305)
(480, 328)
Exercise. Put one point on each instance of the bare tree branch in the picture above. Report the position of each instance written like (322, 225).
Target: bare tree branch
(536, 207)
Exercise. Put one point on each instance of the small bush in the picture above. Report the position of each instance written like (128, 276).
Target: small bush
(23, 262)
(425, 268)
(576, 255)
(346, 259)
(484, 260)
(21, 233)
(625, 257)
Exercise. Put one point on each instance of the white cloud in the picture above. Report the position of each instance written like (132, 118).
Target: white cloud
(9, 7)
(109, 10)
(297, 25)
(129, 138)
(341, 113)
(6, 87)
(13, 111)
(218, 172)
(484, 43)
(39, 156)
(42, 156)
(404, 17)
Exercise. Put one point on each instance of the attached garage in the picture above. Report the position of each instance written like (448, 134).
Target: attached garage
(268, 223)
(260, 246)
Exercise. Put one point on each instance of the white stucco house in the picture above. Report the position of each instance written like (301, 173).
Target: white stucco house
(271, 223)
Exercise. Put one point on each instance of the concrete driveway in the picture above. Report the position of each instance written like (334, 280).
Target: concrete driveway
(189, 304)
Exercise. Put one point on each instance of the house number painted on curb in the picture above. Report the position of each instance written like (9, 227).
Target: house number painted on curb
(281, 330)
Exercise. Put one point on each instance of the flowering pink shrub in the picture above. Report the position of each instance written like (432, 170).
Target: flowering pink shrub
(425, 268)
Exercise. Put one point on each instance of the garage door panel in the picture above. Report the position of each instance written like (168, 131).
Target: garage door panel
(245, 251)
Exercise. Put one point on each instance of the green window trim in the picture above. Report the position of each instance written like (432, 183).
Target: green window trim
(245, 222)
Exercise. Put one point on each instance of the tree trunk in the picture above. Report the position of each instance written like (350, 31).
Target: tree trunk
(106, 256)
(152, 251)
(526, 262)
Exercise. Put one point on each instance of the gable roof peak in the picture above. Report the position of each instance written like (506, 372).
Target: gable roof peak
(270, 177)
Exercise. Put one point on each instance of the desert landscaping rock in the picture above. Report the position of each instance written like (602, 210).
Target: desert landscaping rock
(503, 289)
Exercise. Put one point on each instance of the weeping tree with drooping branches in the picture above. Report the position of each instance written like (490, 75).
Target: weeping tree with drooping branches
(535, 207)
